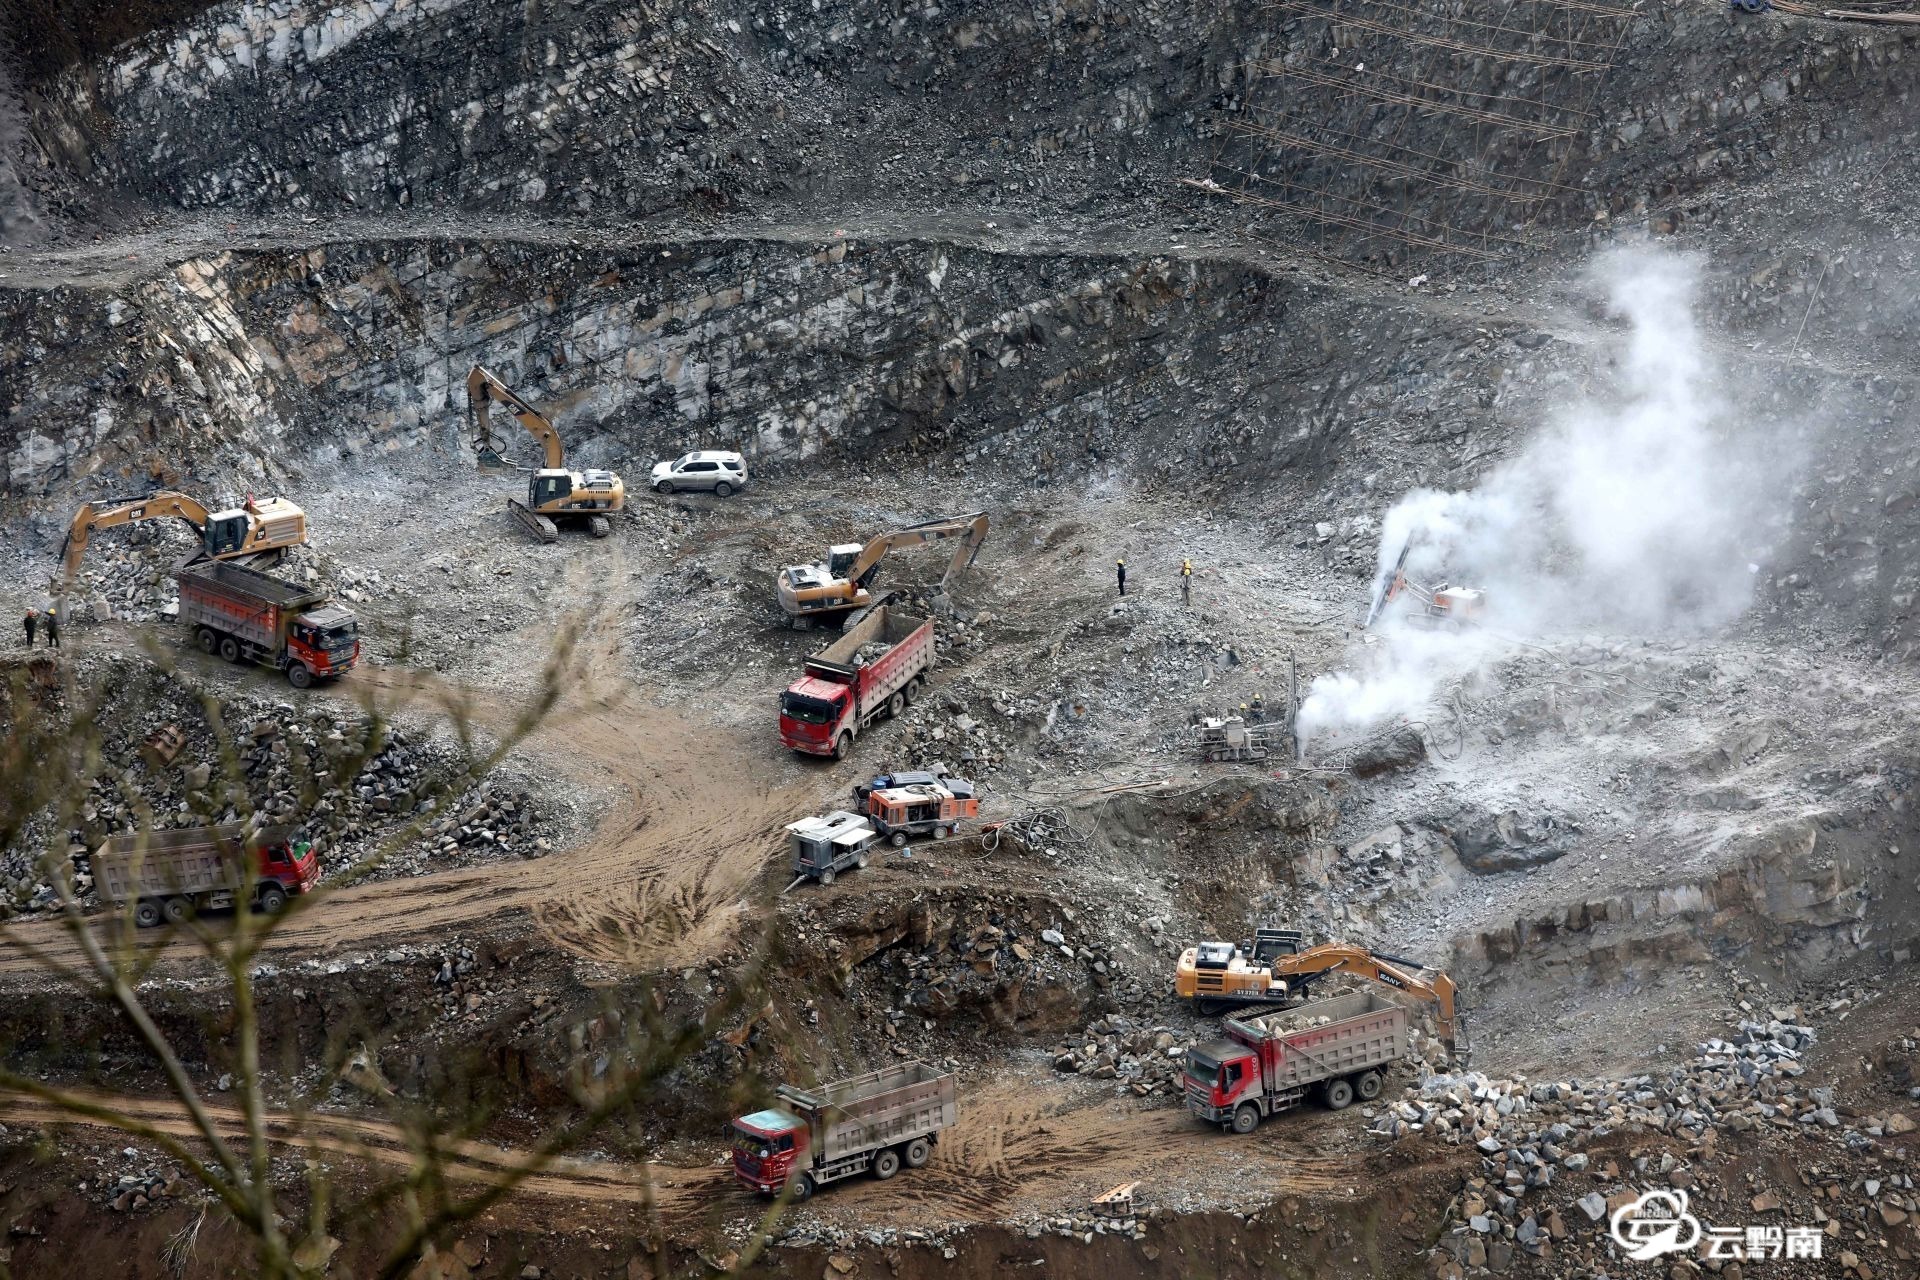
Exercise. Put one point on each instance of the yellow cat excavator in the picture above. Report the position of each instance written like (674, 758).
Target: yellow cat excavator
(254, 528)
(1277, 970)
(553, 492)
(838, 585)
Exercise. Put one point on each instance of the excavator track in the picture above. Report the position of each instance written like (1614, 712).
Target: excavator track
(537, 524)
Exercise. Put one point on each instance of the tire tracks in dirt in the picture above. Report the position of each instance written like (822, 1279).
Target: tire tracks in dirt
(677, 1192)
(663, 881)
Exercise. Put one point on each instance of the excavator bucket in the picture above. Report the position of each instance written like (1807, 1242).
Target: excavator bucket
(487, 453)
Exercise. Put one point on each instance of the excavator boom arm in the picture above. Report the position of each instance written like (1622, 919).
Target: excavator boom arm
(107, 515)
(974, 526)
(482, 390)
(1339, 957)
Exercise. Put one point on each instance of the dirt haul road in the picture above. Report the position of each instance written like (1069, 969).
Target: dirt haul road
(1032, 1146)
(661, 882)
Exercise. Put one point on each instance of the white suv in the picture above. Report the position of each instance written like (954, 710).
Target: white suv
(707, 469)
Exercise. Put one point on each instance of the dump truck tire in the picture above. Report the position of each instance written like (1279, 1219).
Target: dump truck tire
(886, 1164)
(207, 641)
(230, 649)
(919, 1151)
(842, 745)
(599, 526)
(177, 910)
(1367, 1086)
(802, 1187)
(273, 899)
(1339, 1095)
(896, 704)
(1246, 1118)
(146, 913)
(299, 675)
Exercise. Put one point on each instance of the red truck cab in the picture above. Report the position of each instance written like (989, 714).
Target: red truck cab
(766, 1147)
(1220, 1075)
(812, 712)
(326, 641)
(291, 863)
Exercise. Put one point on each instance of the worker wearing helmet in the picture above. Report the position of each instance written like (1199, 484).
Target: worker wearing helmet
(1186, 583)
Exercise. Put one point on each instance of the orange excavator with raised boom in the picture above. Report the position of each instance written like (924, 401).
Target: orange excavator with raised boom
(1275, 969)
(553, 492)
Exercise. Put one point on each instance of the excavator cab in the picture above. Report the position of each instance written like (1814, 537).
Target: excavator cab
(226, 532)
(1270, 944)
(841, 557)
(548, 487)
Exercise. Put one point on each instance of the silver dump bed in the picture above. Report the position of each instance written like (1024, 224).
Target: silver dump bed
(1325, 1038)
(878, 1109)
(154, 864)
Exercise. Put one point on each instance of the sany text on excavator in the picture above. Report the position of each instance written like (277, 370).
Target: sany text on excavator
(1277, 970)
(1438, 604)
(553, 492)
(254, 528)
(838, 585)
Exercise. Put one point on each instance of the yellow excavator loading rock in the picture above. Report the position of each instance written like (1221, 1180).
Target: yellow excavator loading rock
(1277, 970)
(837, 586)
(554, 494)
(256, 531)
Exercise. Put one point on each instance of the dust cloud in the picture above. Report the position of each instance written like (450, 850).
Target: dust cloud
(1636, 510)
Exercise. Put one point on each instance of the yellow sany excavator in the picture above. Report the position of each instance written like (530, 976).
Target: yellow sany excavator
(1277, 970)
(256, 527)
(553, 492)
(838, 585)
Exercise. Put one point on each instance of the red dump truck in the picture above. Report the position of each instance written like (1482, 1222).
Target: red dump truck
(879, 1121)
(876, 667)
(171, 875)
(245, 615)
(1337, 1048)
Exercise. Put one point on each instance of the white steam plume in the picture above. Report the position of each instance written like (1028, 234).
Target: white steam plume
(1641, 513)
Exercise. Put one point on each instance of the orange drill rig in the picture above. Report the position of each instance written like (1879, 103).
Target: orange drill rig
(1437, 604)
(1276, 970)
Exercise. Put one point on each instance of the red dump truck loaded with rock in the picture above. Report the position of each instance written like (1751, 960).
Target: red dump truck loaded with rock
(877, 667)
(172, 875)
(248, 616)
(884, 1120)
(1338, 1048)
